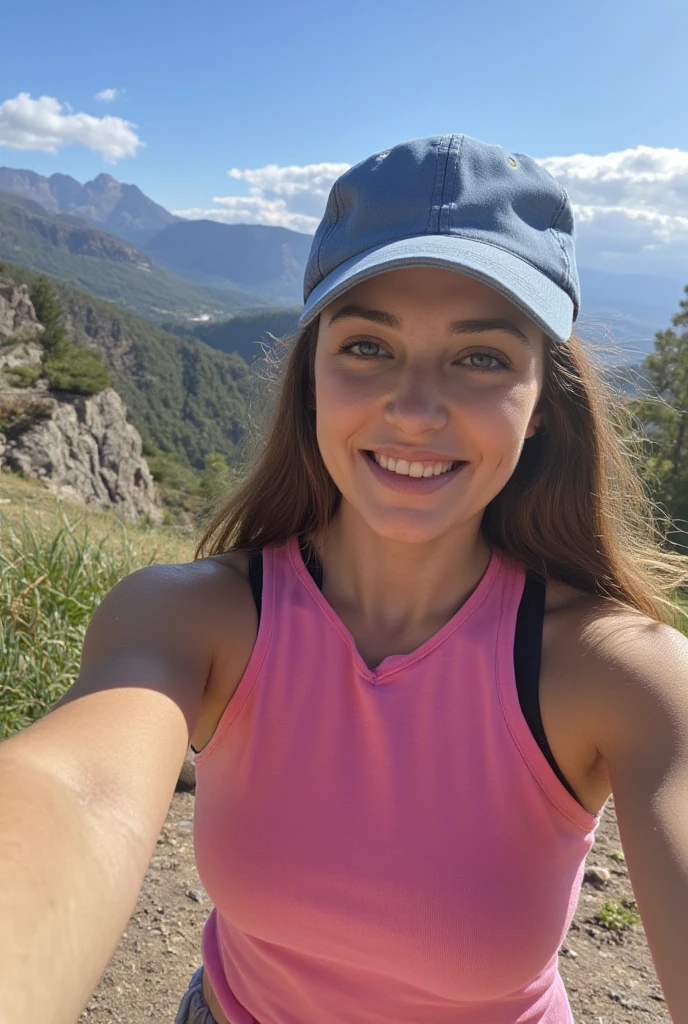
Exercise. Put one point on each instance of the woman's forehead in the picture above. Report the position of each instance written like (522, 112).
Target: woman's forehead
(434, 292)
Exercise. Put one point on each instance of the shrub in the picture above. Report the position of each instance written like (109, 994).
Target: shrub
(168, 469)
(18, 414)
(76, 370)
(23, 376)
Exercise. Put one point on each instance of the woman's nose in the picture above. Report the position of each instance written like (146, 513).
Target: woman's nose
(416, 406)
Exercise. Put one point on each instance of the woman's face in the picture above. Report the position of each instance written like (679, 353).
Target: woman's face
(424, 366)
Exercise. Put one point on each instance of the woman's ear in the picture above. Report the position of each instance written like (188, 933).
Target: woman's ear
(535, 426)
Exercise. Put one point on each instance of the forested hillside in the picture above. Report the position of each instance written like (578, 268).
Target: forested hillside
(187, 400)
(247, 333)
(71, 249)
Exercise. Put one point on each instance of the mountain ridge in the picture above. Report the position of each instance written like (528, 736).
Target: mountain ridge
(121, 209)
(70, 247)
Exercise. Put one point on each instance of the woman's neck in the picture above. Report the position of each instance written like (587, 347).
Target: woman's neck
(393, 585)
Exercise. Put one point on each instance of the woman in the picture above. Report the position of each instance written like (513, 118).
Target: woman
(416, 653)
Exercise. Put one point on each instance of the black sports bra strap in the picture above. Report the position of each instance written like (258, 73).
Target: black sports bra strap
(527, 654)
(255, 578)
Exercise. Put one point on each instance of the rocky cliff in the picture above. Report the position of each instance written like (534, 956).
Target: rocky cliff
(82, 448)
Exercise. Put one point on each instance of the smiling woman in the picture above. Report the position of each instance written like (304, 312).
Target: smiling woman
(417, 651)
(444, 500)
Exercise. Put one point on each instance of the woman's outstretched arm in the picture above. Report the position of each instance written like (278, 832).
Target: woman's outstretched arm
(85, 791)
(641, 676)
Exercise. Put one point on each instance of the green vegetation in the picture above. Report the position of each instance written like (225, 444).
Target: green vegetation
(66, 367)
(107, 266)
(618, 915)
(74, 370)
(15, 416)
(50, 587)
(663, 420)
(187, 400)
(22, 376)
(246, 333)
(56, 564)
(618, 855)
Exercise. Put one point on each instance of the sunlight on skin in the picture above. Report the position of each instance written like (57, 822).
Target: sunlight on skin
(422, 389)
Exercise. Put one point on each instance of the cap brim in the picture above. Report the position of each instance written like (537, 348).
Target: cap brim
(548, 305)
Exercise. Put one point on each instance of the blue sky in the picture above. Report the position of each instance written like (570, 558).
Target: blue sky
(203, 88)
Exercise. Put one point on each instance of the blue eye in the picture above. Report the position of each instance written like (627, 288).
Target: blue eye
(486, 355)
(367, 349)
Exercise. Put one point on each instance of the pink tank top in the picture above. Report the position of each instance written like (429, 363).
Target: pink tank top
(384, 846)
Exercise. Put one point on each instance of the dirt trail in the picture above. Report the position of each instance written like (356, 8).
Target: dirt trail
(609, 976)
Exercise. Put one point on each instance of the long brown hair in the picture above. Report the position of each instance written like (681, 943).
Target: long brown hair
(574, 509)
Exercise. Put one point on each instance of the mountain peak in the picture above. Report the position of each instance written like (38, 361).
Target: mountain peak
(104, 181)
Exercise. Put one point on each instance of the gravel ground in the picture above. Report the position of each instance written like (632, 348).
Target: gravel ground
(609, 975)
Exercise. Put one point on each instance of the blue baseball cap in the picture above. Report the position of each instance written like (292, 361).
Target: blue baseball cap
(455, 202)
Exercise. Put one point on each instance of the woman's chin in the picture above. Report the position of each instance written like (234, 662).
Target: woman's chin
(407, 526)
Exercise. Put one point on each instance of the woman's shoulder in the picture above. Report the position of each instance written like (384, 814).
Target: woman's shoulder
(600, 658)
(225, 590)
(584, 634)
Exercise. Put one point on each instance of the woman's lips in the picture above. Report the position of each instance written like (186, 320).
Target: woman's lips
(411, 484)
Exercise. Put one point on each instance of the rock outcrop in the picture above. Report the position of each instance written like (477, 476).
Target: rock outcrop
(17, 315)
(81, 447)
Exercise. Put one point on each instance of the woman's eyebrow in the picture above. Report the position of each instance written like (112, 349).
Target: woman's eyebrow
(480, 326)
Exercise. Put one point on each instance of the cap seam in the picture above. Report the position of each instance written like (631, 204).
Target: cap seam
(444, 185)
(555, 233)
(435, 186)
(337, 198)
(456, 178)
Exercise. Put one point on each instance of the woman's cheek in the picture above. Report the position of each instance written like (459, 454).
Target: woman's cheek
(345, 404)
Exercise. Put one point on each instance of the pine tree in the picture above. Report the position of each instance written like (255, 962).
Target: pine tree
(49, 312)
(664, 419)
(66, 367)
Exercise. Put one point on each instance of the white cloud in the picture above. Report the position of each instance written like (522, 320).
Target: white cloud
(312, 179)
(252, 210)
(107, 95)
(289, 197)
(629, 206)
(640, 178)
(42, 124)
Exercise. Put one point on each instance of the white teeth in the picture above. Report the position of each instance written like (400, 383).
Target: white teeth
(414, 469)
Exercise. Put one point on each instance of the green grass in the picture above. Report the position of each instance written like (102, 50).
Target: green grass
(57, 562)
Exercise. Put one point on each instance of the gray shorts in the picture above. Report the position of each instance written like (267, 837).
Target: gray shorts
(193, 1008)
